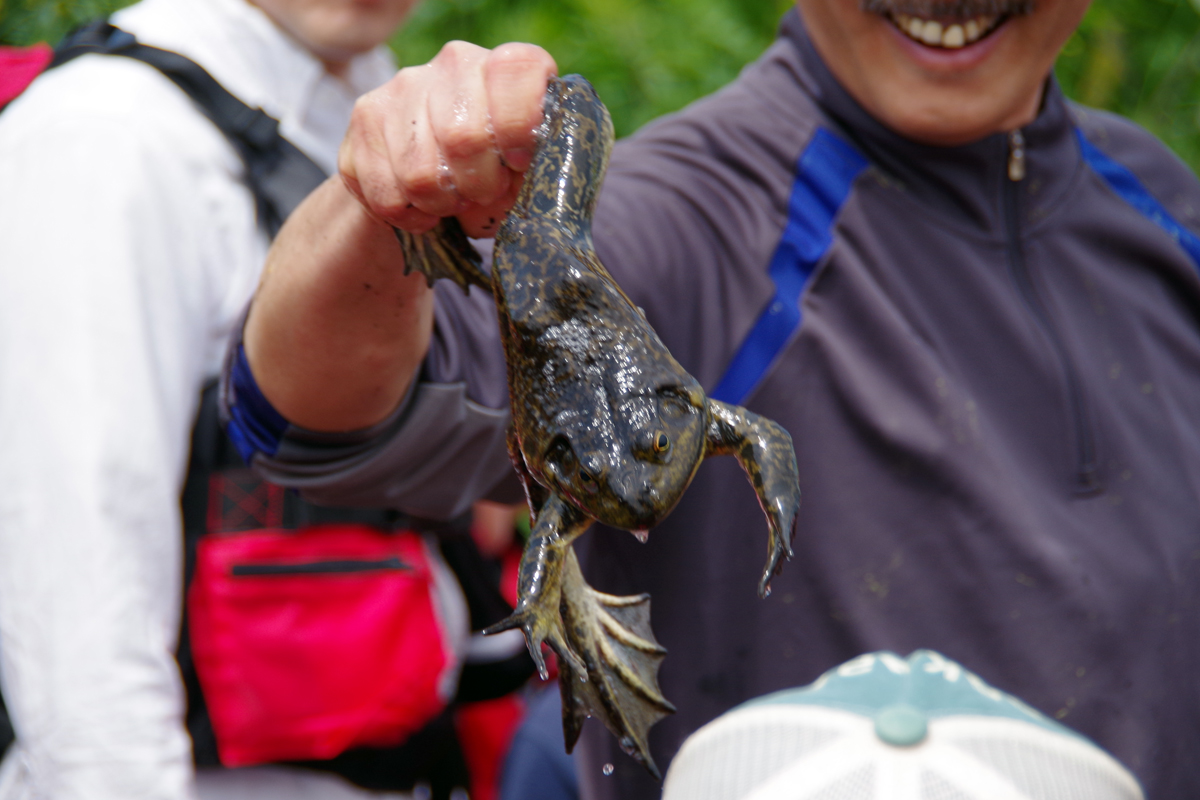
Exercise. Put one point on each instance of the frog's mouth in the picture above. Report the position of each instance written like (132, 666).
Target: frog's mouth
(634, 509)
(948, 25)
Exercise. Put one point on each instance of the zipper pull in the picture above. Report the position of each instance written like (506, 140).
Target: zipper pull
(1016, 156)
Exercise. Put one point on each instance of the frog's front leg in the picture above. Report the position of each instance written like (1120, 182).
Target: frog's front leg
(539, 585)
(765, 451)
(536, 495)
(444, 252)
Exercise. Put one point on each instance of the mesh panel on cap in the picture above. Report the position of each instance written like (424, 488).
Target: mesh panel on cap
(1049, 770)
(935, 787)
(726, 762)
(857, 785)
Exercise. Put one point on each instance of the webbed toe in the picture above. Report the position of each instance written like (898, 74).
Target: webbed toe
(444, 252)
(541, 622)
(619, 684)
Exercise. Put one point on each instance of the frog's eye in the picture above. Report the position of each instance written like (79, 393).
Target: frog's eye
(661, 442)
(589, 483)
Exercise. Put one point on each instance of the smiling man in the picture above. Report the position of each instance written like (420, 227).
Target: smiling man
(974, 306)
(943, 72)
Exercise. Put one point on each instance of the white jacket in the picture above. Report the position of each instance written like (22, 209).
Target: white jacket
(128, 250)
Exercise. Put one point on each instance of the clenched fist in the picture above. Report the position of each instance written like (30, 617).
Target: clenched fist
(450, 138)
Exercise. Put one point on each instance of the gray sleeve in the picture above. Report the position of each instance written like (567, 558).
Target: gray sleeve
(444, 446)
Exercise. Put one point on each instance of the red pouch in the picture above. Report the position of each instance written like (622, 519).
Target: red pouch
(307, 643)
(19, 66)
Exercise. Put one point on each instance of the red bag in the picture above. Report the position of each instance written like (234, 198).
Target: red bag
(19, 66)
(310, 642)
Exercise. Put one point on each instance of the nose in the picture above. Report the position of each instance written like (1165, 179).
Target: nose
(642, 496)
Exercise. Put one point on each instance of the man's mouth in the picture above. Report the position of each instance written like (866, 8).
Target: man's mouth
(950, 34)
(949, 24)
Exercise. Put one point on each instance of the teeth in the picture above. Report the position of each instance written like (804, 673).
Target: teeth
(954, 36)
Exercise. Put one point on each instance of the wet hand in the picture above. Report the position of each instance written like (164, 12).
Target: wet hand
(449, 138)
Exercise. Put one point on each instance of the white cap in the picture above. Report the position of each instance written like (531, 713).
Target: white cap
(881, 727)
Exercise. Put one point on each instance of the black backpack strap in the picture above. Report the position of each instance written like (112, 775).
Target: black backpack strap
(277, 172)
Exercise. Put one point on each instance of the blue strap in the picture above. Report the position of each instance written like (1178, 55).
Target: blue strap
(825, 175)
(254, 426)
(1132, 191)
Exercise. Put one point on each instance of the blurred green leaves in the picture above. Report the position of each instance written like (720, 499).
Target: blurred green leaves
(29, 21)
(1140, 58)
(645, 57)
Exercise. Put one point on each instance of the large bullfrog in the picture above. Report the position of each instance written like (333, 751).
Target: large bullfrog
(606, 425)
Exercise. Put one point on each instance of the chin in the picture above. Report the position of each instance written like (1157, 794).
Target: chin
(338, 35)
(943, 121)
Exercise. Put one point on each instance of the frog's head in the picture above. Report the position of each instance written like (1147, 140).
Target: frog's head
(628, 470)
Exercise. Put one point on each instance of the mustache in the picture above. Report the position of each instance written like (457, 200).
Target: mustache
(958, 10)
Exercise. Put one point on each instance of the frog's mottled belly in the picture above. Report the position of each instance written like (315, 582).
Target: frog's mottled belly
(579, 354)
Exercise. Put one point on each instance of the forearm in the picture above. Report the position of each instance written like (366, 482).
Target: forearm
(337, 331)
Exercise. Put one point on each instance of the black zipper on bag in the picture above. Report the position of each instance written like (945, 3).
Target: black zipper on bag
(1087, 473)
(332, 567)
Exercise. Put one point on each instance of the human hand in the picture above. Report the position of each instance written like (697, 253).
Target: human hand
(450, 138)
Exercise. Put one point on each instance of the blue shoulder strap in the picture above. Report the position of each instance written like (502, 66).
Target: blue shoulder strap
(825, 175)
(1132, 191)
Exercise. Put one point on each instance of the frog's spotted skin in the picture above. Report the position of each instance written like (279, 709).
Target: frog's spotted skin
(606, 424)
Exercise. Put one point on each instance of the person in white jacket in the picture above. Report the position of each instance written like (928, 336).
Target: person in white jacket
(128, 250)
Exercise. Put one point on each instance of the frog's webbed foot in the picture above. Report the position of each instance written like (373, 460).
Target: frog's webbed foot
(444, 252)
(608, 657)
(612, 637)
(539, 586)
(765, 451)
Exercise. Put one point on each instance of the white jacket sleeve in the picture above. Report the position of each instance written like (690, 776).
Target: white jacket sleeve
(115, 279)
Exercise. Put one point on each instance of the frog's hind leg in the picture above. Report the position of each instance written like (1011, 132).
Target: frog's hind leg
(619, 684)
(539, 582)
(444, 252)
(608, 657)
(765, 451)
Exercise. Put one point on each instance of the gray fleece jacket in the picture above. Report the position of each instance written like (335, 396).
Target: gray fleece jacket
(993, 387)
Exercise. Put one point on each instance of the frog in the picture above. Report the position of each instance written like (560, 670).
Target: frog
(606, 425)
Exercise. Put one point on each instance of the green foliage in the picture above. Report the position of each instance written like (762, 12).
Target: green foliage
(28, 21)
(1140, 58)
(645, 57)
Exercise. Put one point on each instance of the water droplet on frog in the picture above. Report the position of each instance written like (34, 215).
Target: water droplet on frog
(607, 769)
(641, 536)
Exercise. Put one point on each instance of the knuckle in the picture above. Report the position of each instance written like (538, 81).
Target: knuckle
(403, 86)
(457, 52)
(392, 212)
(363, 115)
(465, 140)
(382, 200)
(519, 55)
(422, 182)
